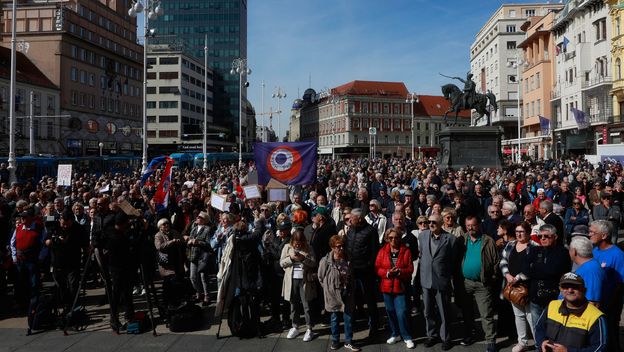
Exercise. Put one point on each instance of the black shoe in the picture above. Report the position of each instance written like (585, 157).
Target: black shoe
(491, 347)
(467, 341)
(431, 342)
(447, 345)
(335, 345)
(115, 325)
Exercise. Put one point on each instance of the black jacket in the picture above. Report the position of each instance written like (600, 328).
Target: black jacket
(66, 246)
(362, 245)
(544, 267)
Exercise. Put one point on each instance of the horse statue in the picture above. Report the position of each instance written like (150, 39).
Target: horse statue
(480, 102)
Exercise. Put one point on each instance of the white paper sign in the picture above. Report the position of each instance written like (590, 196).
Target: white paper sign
(252, 192)
(218, 202)
(277, 194)
(64, 175)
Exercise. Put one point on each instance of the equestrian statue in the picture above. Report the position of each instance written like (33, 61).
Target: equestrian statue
(468, 99)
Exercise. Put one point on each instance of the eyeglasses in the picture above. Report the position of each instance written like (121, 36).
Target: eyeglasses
(371, 205)
(569, 287)
(339, 246)
(423, 223)
(545, 236)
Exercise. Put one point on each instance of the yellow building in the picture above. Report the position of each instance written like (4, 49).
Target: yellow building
(616, 12)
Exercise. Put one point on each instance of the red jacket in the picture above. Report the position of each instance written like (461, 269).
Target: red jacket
(383, 264)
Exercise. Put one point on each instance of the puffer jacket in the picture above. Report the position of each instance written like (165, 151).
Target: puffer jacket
(383, 264)
(361, 246)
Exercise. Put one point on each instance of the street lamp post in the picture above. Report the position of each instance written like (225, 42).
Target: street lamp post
(280, 94)
(205, 101)
(12, 122)
(101, 145)
(517, 63)
(411, 99)
(240, 66)
(153, 11)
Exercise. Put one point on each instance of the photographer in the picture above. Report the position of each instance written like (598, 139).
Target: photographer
(66, 241)
(120, 268)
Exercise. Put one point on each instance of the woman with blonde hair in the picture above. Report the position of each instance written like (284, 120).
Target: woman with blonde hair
(449, 222)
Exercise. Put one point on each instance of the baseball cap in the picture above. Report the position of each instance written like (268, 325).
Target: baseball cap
(320, 210)
(571, 279)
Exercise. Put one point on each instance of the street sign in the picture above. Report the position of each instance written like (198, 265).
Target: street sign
(372, 131)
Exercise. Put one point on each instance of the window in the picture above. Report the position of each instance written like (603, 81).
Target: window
(618, 68)
(512, 95)
(168, 118)
(168, 75)
(74, 74)
(168, 133)
(356, 123)
(529, 12)
(365, 123)
(74, 98)
(151, 90)
(386, 124)
(356, 139)
(511, 45)
(386, 108)
(397, 124)
(539, 107)
(168, 105)
(396, 109)
(537, 80)
(511, 28)
(150, 105)
(51, 102)
(600, 28)
(512, 13)
(617, 26)
(365, 108)
(168, 60)
(511, 112)
(375, 108)
(396, 139)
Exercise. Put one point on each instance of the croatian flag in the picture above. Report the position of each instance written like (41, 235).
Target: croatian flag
(161, 197)
(152, 167)
(288, 163)
(544, 124)
(579, 116)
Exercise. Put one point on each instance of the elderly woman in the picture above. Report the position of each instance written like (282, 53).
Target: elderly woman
(298, 262)
(335, 274)
(512, 265)
(170, 247)
(394, 267)
(198, 243)
(450, 225)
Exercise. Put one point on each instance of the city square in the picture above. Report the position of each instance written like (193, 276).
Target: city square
(421, 176)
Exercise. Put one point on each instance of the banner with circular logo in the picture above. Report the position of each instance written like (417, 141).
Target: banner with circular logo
(284, 163)
(288, 163)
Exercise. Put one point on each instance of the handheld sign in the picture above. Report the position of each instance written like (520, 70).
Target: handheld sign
(252, 192)
(64, 175)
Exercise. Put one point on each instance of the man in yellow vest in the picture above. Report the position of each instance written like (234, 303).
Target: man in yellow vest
(571, 324)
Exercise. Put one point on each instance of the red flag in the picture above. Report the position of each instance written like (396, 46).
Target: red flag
(161, 197)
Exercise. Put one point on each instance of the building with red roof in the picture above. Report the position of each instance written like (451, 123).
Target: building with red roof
(342, 119)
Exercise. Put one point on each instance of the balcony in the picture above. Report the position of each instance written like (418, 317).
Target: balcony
(596, 119)
(555, 94)
(596, 81)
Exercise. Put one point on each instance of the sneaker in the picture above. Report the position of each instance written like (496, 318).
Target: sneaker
(335, 345)
(447, 345)
(393, 340)
(143, 292)
(409, 344)
(467, 341)
(353, 347)
(519, 348)
(136, 291)
(292, 333)
(491, 347)
(308, 336)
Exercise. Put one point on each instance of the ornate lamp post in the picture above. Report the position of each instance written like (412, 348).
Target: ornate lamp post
(411, 99)
(151, 11)
(517, 64)
(280, 94)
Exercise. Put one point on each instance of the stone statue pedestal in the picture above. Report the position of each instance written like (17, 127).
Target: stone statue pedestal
(479, 147)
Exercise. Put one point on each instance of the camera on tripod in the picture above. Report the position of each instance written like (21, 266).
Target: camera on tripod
(52, 226)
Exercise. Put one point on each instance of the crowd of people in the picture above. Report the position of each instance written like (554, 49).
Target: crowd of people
(534, 243)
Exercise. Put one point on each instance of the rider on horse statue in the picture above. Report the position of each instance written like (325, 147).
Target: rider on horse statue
(469, 90)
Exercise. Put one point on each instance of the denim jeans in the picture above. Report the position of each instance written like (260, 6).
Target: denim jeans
(536, 311)
(199, 280)
(335, 327)
(29, 278)
(396, 307)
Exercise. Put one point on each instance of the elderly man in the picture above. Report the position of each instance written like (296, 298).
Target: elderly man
(611, 259)
(550, 218)
(437, 257)
(588, 268)
(607, 211)
(479, 268)
(571, 324)
(509, 210)
(530, 216)
(490, 224)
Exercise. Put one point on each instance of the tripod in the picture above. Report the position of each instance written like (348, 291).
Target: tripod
(67, 318)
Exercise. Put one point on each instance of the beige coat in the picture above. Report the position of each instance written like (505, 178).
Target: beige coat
(309, 266)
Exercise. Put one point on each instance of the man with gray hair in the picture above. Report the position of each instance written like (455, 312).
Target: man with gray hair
(550, 218)
(509, 211)
(584, 264)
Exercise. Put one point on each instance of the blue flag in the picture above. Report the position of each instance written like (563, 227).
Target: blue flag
(565, 43)
(579, 116)
(152, 167)
(288, 163)
(544, 124)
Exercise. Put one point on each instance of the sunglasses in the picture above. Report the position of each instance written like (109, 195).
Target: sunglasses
(392, 238)
(545, 236)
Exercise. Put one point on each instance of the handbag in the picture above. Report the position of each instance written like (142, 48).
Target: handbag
(163, 258)
(517, 293)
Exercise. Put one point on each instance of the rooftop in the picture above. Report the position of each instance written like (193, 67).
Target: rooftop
(26, 71)
(373, 88)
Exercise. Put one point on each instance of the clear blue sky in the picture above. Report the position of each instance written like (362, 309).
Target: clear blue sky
(338, 41)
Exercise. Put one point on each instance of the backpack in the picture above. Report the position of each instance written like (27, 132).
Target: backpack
(242, 319)
(41, 313)
(185, 317)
